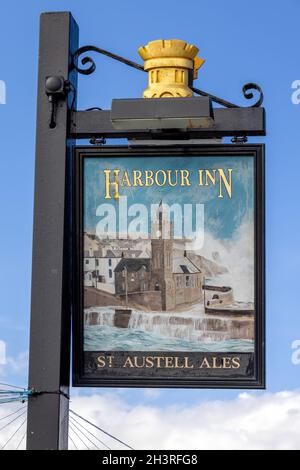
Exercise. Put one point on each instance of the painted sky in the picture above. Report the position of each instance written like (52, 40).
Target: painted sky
(241, 43)
(222, 216)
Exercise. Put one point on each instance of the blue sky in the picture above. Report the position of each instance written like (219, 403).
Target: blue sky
(240, 44)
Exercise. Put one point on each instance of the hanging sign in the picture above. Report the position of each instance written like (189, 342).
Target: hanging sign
(169, 266)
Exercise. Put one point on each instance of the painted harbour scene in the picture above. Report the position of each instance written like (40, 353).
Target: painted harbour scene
(159, 287)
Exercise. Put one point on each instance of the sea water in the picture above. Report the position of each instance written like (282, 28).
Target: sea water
(159, 332)
(108, 338)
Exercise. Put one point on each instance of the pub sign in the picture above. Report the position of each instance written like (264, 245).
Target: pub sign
(169, 266)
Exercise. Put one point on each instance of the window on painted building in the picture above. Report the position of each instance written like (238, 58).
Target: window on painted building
(110, 273)
(158, 260)
(187, 281)
(109, 262)
(87, 261)
(97, 262)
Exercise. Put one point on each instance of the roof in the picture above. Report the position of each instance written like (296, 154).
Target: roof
(183, 265)
(133, 264)
(97, 254)
(123, 253)
(113, 254)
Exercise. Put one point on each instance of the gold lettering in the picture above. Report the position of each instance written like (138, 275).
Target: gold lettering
(101, 362)
(137, 175)
(227, 363)
(236, 362)
(109, 183)
(209, 176)
(200, 173)
(185, 174)
(169, 362)
(164, 175)
(158, 360)
(125, 179)
(187, 365)
(227, 183)
(110, 361)
(171, 183)
(139, 364)
(128, 362)
(215, 363)
(177, 363)
(205, 364)
(149, 181)
(149, 361)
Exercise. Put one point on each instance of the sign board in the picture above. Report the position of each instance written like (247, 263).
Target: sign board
(169, 266)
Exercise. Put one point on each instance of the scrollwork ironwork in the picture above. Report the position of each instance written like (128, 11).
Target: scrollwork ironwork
(247, 88)
(92, 66)
(249, 95)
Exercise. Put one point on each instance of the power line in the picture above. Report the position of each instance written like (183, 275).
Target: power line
(12, 386)
(97, 438)
(80, 438)
(6, 400)
(102, 430)
(85, 436)
(73, 442)
(13, 435)
(13, 420)
(22, 439)
(10, 396)
(11, 414)
(21, 394)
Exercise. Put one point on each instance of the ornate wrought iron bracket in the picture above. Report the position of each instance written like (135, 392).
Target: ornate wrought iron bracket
(246, 92)
(247, 88)
(92, 66)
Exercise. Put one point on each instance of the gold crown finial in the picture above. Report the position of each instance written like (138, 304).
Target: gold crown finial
(169, 64)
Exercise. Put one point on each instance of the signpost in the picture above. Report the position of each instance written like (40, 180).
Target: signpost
(156, 250)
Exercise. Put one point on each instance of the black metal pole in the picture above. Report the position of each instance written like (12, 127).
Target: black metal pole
(49, 361)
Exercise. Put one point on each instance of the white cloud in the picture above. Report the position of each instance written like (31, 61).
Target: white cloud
(237, 255)
(267, 421)
(270, 421)
(15, 365)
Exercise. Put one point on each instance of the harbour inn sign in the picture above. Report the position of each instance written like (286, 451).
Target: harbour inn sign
(114, 179)
(140, 304)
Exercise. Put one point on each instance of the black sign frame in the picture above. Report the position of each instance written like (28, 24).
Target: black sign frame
(254, 378)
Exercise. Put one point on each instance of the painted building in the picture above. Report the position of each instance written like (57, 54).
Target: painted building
(177, 277)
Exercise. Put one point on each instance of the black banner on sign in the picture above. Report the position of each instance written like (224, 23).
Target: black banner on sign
(170, 267)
